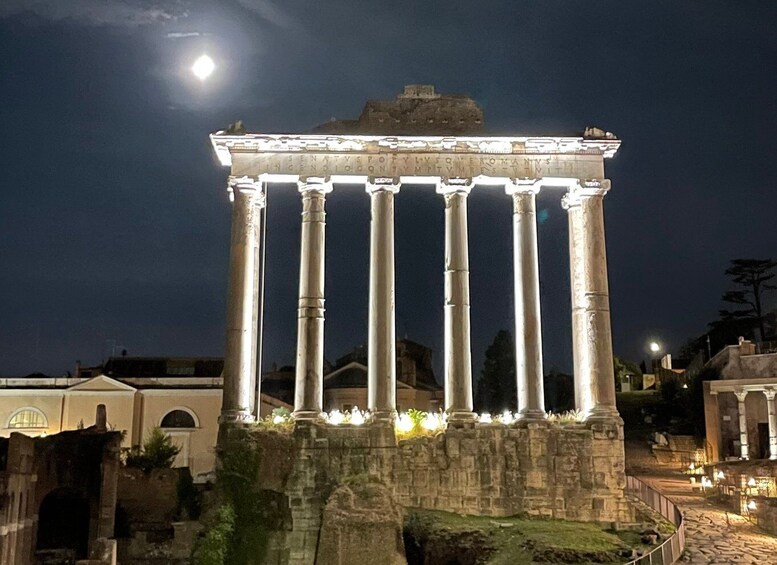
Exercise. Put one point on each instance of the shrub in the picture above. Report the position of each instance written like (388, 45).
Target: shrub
(213, 547)
(158, 452)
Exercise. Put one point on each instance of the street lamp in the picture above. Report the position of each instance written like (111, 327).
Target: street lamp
(655, 347)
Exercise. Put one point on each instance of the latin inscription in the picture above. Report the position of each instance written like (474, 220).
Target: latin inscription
(419, 164)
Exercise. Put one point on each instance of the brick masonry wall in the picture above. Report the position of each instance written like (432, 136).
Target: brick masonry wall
(571, 472)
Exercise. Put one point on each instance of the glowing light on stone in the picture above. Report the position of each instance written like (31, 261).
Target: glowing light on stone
(203, 67)
(357, 417)
(405, 423)
(277, 419)
(506, 418)
(751, 482)
(336, 417)
(433, 422)
(720, 475)
(484, 418)
(751, 505)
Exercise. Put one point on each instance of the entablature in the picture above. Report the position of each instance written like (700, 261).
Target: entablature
(414, 156)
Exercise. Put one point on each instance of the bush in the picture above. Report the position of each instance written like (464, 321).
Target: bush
(213, 547)
(158, 452)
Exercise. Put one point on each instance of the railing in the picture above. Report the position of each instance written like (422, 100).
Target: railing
(672, 548)
(763, 347)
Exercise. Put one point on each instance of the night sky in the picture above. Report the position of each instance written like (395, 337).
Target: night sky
(114, 217)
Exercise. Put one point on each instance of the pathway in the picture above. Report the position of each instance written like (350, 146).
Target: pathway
(714, 536)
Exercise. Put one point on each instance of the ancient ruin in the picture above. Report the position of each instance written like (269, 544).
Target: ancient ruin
(529, 465)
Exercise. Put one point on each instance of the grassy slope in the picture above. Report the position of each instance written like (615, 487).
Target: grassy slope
(514, 537)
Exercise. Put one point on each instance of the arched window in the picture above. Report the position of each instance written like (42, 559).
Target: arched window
(28, 418)
(178, 419)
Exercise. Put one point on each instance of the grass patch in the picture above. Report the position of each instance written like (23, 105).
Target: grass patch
(443, 537)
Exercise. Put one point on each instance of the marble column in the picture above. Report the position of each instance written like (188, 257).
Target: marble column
(309, 382)
(382, 338)
(770, 394)
(240, 353)
(743, 444)
(458, 354)
(592, 333)
(528, 322)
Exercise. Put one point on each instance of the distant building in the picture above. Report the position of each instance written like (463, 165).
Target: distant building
(345, 382)
(182, 396)
(738, 404)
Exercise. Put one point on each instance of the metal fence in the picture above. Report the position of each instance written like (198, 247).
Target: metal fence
(763, 347)
(671, 549)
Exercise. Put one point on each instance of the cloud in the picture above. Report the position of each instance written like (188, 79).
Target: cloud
(130, 13)
(134, 13)
(269, 11)
(185, 34)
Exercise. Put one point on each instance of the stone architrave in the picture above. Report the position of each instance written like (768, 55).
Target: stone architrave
(743, 443)
(458, 353)
(381, 350)
(592, 333)
(309, 381)
(240, 392)
(770, 394)
(528, 322)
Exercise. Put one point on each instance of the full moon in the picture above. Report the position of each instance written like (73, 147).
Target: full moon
(203, 67)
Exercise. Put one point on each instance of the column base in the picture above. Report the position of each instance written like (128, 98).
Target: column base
(461, 417)
(604, 415)
(383, 416)
(236, 417)
(523, 419)
(308, 415)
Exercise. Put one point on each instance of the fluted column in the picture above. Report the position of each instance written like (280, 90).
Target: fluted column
(381, 349)
(309, 387)
(458, 354)
(528, 323)
(770, 394)
(592, 333)
(744, 446)
(240, 352)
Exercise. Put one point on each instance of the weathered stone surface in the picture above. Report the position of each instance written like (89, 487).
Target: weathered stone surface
(361, 524)
(487, 470)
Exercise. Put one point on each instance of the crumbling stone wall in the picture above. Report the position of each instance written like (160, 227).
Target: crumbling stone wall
(82, 461)
(571, 472)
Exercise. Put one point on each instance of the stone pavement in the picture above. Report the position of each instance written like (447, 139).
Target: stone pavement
(713, 535)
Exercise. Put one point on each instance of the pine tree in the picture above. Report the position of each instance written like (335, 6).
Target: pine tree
(752, 278)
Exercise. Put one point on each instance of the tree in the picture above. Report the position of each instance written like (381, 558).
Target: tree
(623, 368)
(751, 276)
(497, 389)
(158, 452)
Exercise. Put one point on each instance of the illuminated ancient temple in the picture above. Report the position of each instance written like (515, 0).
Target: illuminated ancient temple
(424, 138)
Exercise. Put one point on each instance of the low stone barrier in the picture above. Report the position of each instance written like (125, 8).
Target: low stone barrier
(672, 548)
